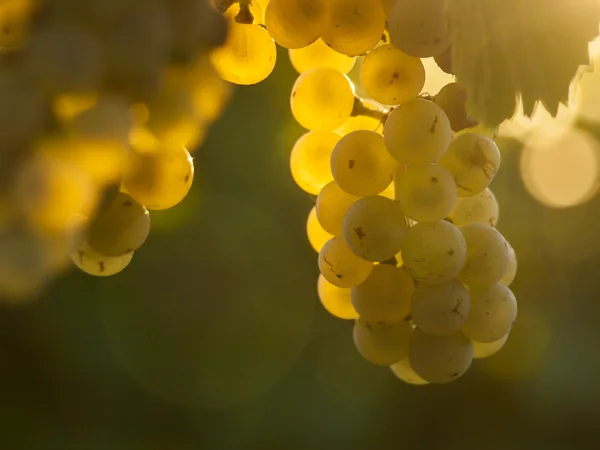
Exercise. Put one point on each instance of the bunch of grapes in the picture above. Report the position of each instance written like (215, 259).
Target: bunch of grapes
(404, 221)
(99, 101)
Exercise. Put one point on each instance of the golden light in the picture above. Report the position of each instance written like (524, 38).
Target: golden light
(435, 78)
(586, 91)
(521, 126)
(560, 168)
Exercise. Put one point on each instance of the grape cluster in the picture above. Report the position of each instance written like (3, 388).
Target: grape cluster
(404, 220)
(99, 101)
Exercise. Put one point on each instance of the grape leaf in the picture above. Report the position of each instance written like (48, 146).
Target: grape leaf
(506, 49)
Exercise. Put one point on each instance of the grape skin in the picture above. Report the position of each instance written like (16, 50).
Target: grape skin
(93, 263)
(482, 208)
(310, 160)
(340, 266)
(486, 349)
(294, 23)
(332, 205)
(452, 98)
(434, 252)
(319, 54)
(336, 300)
(317, 236)
(382, 344)
(511, 271)
(487, 256)
(406, 373)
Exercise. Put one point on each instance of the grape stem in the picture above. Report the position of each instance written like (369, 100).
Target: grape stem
(360, 109)
(244, 16)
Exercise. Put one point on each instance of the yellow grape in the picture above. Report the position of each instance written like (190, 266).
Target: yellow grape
(248, 56)
(294, 23)
(319, 54)
(452, 98)
(440, 309)
(310, 160)
(426, 193)
(120, 227)
(473, 160)
(511, 271)
(419, 27)
(361, 164)
(417, 132)
(390, 76)
(487, 256)
(332, 205)
(159, 178)
(93, 263)
(481, 208)
(317, 236)
(486, 349)
(336, 300)
(493, 311)
(340, 266)
(322, 99)
(440, 359)
(406, 373)
(353, 27)
(361, 121)
(374, 228)
(382, 344)
(385, 296)
(434, 252)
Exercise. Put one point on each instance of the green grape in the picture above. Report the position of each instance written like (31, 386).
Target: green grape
(487, 256)
(336, 300)
(493, 311)
(486, 349)
(440, 309)
(511, 271)
(93, 263)
(120, 227)
(340, 266)
(417, 132)
(390, 76)
(110, 118)
(332, 204)
(434, 252)
(419, 27)
(353, 27)
(160, 178)
(385, 296)
(374, 228)
(361, 164)
(248, 56)
(405, 372)
(452, 98)
(317, 236)
(440, 359)
(426, 193)
(482, 208)
(382, 344)
(473, 160)
(319, 54)
(294, 23)
(310, 160)
(322, 99)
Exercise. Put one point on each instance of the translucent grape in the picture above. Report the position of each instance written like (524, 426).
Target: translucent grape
(382, 344)
(493, 311)
(390, 76)
(426, 193)
(440, 359)
(374, 228)
(317, 236)
(385, 296)
(486, 349)
(310, 160)
(487, 256)
(120, 227)
(482, 208)
(294, 23)
(473, 160)
(511, 271)
(361, 121)
(417, 132)
(405, 372)
(319, 54)
(332, 205)
(160, 178)
(340, 266)
(353, 27)
(248, 56)
(93, 263)
(419, 27)
(336, 300)
(361, 164)
(434, 252)
(440, 310)
(452, 98)
(322, 99)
